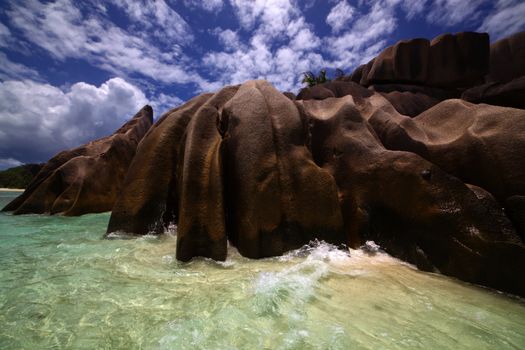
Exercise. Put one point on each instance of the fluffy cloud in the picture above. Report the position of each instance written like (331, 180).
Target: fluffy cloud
(38, 120)
(281, 45)
(339, 16)
(228, 38)
(367, 35)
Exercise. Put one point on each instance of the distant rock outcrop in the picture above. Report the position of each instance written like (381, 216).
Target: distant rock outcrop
(416, 74)
(505, 83)
(268, 173)
(86, 179)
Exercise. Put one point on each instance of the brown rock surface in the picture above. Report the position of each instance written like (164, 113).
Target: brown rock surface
(405, 62)
(278, 198)
(249, 165)
(409, 206)
(86, 179)
(509, 94)
(507, 57)
(480, 144)
(449, 61)
(460, 60)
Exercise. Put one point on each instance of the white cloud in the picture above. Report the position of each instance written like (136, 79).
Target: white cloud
(5, 35)
(158, 18)
(37, 120)
(13, 70)
(413, 7)
(228, 38)
(208, 5)
(507, 18)
(65, 32)
(452, 12)
(366, 37)
(6, 163)
(281, 45)
(339, 16)
(163, 103)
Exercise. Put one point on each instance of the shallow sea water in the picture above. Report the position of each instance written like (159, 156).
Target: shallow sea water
(63, 286)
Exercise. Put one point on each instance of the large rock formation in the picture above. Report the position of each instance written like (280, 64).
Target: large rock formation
(267, 173)
(389, 153)
(505, 83)
(416, 74)
(86, 179)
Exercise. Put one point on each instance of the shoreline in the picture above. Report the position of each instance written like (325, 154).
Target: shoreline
(2, 189)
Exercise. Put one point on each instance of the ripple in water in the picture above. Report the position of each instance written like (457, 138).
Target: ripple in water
(62, 286)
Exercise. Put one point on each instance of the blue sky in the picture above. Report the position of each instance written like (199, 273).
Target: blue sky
(72, 71)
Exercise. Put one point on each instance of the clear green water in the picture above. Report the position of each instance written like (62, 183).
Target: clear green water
(62, 286)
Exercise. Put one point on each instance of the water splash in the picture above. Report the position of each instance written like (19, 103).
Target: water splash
(62, 286)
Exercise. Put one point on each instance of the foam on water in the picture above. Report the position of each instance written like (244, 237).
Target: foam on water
(63, 286)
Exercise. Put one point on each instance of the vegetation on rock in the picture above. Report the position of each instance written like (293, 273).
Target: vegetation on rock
(20, 176)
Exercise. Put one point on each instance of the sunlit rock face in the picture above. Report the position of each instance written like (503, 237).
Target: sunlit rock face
(390, 154)
(267, 173)
(417, 74)
(86, 179)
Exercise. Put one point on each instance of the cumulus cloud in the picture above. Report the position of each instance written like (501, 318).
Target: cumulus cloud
(339, 16)
(38, 120)
(507, 18)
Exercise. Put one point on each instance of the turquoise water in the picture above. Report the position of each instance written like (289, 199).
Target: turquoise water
(62, 286)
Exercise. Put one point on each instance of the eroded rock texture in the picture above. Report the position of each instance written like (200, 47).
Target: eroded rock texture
(416, 74)
(86, 179)
(268, 173)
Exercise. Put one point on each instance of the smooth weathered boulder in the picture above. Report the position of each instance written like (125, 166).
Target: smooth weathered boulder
(481, 144)
(250, 166)
(334, 89)
(448, 61)
(177, 176)
(86, 179)
(409, 206)
(507, 57)
(460, 60)
(409, 103)
(515, 210)
(404, 62)
(277, 198)
(412, 100)
(509, 94)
